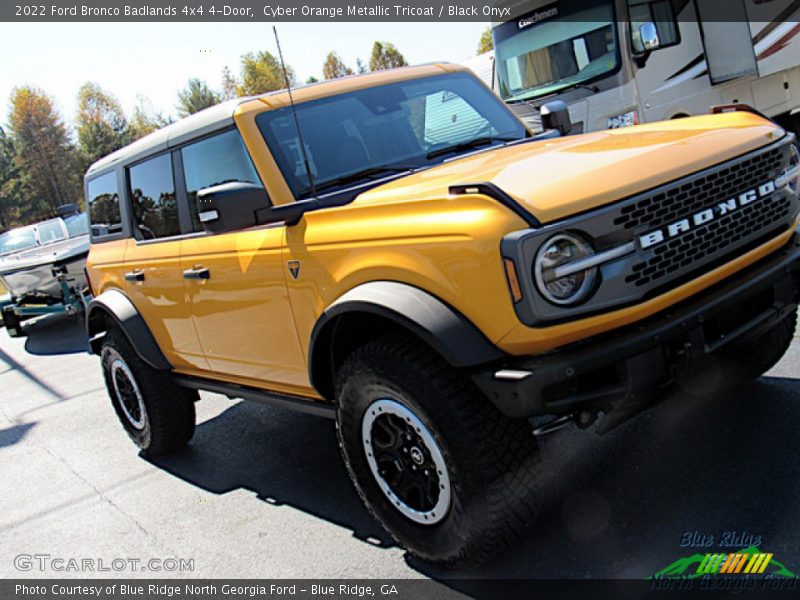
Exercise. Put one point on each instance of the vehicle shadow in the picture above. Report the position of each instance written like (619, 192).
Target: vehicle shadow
(618, 506)
(613, 506)
(285, 458)
(55, 334)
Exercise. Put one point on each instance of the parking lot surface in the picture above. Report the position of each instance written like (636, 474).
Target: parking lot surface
(261, 492)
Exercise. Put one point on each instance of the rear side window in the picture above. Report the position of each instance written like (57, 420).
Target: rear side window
(153, 200)
(218, 159)
(102, 196)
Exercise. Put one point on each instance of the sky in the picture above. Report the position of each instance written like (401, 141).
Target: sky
(156, 59)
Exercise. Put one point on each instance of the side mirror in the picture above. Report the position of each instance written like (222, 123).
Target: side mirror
(648, 33)
(230, 206)
(555, 115)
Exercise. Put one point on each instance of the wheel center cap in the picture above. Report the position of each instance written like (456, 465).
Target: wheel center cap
(416, 455)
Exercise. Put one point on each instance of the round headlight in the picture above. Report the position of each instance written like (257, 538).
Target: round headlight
(557, 282)
(794, 165)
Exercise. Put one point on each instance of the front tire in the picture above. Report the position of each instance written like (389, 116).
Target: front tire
(445, 473)
(156, 413)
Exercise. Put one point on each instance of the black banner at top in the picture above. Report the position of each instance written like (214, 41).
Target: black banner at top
(525, 12)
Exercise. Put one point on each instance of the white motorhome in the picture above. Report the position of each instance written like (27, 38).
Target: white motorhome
(621, 62)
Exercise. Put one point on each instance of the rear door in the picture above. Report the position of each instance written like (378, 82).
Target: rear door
(235, 281)
(153, 276)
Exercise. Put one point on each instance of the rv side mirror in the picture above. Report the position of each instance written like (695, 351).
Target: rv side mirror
(555, 115)
(648, 34)
(230, 206)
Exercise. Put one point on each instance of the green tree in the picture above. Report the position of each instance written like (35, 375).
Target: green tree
(145, 119)
(385, 56)
(261, 73)
(101, 124)
(312, 79)
(10, 183)
(45, 156)
(486, 42)
(228, 84)
(361, 68)
(334, 67)
(195, 97)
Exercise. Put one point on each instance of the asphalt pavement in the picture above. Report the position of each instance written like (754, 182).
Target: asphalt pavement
(261, 492)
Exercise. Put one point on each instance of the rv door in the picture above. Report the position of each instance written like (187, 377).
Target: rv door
(727, 43)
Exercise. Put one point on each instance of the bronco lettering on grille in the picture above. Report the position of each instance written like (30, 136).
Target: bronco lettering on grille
(706, 215)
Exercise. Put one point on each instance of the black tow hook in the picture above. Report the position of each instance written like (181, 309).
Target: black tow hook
(582, 420)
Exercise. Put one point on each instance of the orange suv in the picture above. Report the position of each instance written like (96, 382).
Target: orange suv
(397, 252)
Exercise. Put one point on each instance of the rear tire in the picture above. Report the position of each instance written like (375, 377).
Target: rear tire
(156, 413)
(479, 492)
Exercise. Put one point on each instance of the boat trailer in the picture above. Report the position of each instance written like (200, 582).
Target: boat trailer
(16, 310)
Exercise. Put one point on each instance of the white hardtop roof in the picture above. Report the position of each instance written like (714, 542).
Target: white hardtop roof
(202, 122)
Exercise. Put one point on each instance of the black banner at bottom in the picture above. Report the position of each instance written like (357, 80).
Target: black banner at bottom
(389, 589)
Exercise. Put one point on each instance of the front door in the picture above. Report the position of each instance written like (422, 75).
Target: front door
(236, 282)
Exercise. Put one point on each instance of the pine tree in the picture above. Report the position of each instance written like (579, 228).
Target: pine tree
(334, 67)
(261, 73)
(101, 124)
(195, 97)
(385, 56)
(46, 158)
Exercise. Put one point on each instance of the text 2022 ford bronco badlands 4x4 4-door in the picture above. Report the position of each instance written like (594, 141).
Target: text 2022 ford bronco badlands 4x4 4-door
(397, 251)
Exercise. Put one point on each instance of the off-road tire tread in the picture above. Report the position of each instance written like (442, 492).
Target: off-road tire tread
(170, 407)
(503, 450)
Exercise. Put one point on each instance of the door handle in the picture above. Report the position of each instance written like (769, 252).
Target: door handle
(196, 273)
(135, 275)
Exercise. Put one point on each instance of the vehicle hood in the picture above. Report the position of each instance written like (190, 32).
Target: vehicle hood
(557, 178)
(50, 254)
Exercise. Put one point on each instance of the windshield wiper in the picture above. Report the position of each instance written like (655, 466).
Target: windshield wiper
(362, 174)
(475, 143)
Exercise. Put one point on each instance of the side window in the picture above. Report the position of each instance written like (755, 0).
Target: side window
(214, 160)
(152, 188)
(103, 201)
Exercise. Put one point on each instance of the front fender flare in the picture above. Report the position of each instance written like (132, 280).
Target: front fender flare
(436, 323)
(116, 307)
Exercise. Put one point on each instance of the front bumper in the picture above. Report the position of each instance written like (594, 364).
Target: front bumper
(621, 372)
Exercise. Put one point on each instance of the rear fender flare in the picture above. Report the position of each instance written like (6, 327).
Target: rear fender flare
(112, 307)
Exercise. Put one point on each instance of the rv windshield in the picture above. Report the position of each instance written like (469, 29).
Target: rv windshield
(550, 49)
(17, 240)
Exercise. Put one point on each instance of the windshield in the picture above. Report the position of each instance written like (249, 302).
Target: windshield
(540, 54)
(50, 231)
(367, 133)
(17, 240)
(77, 225)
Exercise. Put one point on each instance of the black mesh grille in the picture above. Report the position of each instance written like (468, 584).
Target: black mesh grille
(724, 235)
(688, 198)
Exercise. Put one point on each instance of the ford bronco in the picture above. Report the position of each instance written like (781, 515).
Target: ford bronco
(397, 252)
